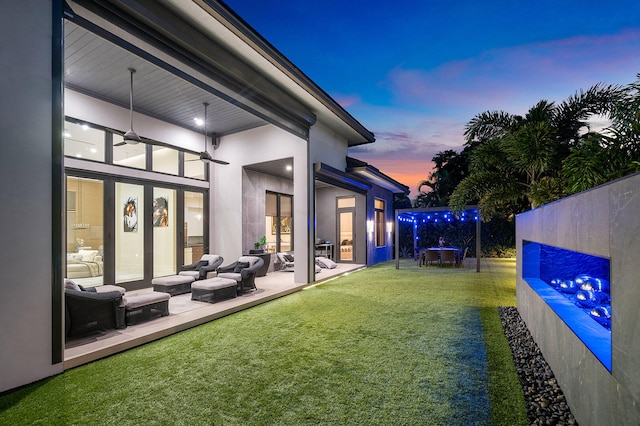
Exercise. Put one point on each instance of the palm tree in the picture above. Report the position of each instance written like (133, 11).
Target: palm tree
(449, 169)
(516, 162)
(612, 154)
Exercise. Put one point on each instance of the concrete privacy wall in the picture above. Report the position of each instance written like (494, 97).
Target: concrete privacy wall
(605, 222)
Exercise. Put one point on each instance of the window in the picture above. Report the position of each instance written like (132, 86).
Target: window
(129, 155)
(379, 219)
(193, 167)
(165, 160)
(279, 222)
(82, 141)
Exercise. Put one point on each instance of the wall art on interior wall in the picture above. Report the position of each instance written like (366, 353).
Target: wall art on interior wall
(161, 212)
(131, 214)
(285, 225)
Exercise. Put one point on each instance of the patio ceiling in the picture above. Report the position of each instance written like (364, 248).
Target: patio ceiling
(99, 68)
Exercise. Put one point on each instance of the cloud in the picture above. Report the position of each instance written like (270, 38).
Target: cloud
(520, 75)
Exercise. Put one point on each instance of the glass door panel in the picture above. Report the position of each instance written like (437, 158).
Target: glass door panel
(164, 232)
(345, 231)
(85, 221)
(193, 226)
(286, 222)
(129, 232)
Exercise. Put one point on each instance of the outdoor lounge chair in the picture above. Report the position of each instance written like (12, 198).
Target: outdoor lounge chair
(243, 271)
(200, 270)
(89, 311)
(286, 261)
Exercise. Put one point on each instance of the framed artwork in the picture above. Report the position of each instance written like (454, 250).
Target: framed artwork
(161, 212)
(285, 225)
(130, 214)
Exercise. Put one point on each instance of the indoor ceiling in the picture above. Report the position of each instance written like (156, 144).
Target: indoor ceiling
(99, 68)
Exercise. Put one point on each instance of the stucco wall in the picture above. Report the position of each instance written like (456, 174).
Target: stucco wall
(26, 179)
(249, 147)
(602, 222)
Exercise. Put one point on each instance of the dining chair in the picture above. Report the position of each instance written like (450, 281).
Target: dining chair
(448, 256)
(430, 256)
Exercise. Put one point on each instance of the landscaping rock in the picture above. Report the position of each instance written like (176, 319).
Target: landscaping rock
(546, 405)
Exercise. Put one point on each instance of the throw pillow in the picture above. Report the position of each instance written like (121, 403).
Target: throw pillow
(202, 263)
(71, 285)
(288, 257)
(240, 266)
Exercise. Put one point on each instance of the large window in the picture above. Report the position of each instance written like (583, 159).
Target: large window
(279, 222)
(83, 141)
(90, 142)
(378, 206)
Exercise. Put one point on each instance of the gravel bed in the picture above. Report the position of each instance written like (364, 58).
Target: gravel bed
(546, 404)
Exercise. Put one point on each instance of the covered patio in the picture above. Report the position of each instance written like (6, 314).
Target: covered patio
(185, 313)
(440, 218)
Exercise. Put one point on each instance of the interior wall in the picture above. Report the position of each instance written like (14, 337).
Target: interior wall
(601, 222)
(26, 114)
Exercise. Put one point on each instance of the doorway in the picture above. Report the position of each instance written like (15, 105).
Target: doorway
(346, 207)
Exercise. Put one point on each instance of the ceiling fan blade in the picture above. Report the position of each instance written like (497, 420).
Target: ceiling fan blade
(120, 144)
(213, 160)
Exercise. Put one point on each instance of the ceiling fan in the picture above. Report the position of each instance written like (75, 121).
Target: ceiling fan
(205, 157)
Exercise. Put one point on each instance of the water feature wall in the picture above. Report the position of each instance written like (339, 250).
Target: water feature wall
(595, 357)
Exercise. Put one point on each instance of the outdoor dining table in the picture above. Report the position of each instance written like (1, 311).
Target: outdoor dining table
(422, 253)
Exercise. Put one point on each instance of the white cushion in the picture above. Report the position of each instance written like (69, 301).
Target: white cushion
(192, 274)
(210, 258)
(250, 259)
(74, 257)
(326, 263)
(230, 275)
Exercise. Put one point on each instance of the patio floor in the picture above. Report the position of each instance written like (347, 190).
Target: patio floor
(185, 313)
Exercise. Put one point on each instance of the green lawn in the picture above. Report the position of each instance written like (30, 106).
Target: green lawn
(415, 346)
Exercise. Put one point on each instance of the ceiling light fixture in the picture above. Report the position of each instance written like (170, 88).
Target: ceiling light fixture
(131, 136)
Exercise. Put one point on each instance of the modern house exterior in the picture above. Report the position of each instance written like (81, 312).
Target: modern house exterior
(81, 201)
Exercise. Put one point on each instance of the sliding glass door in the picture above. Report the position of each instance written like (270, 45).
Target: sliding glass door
(164, 231)
(85, 237)
(129, 232)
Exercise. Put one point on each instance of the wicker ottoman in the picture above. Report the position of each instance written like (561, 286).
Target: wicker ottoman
(173, 284)
(141, 307)
(214, 289)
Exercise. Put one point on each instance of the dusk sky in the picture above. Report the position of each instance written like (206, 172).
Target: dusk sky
(414, 72)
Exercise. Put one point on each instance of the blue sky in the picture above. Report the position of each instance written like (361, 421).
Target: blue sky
(414, 72)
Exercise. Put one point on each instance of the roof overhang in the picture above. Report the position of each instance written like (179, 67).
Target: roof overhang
(332, 176)
(375, 176)
(206, 44)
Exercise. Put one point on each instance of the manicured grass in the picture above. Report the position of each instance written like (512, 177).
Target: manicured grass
(381, 346)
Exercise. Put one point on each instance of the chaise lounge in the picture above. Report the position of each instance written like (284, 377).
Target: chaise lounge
(243, 271)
